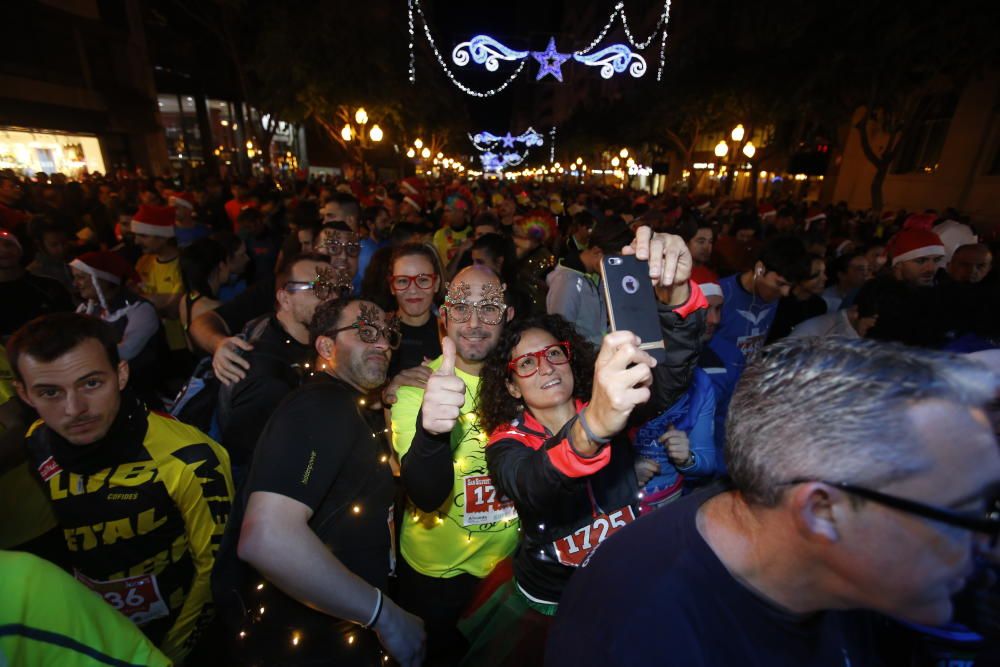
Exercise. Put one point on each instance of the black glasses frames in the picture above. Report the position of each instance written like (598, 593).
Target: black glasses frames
(987, 523)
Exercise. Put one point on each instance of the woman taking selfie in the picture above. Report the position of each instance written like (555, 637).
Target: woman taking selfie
(554, 415)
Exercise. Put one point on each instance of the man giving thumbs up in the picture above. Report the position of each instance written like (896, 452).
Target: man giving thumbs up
(456, 528)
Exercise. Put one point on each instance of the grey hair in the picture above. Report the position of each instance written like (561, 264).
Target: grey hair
(837, 409)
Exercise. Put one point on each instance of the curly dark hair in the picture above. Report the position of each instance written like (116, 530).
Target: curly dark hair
(496, 406)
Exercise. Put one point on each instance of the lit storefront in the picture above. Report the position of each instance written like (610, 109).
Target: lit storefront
(29, 151)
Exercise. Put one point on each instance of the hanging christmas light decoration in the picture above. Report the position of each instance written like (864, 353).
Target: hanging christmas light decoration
(615, 59)
(487, 51)
(486, 140)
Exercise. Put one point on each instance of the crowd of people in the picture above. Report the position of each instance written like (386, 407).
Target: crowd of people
(293, 421)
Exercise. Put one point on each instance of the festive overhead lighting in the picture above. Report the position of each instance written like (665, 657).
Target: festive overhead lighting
(614, 59)
(484, 50)
(487, 51)
(487, 140)
(550, 61)
(721, 149)
(749, 149)
(737, 133)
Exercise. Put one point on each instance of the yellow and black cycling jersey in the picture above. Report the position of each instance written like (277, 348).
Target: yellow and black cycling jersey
(143, 511)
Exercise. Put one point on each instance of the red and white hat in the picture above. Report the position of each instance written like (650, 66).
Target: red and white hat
(915, 240)
(887, 216)
(8, 235)
(416, 200)
(108, 266)
(707, 280)
(411, 185)
(814, 214)
(765, 211)
(182, 199)
(152, 220)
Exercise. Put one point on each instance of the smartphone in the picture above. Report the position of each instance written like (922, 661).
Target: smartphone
(631, 301)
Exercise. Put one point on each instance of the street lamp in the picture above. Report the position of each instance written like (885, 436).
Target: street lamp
(737, 133)
(361, 116)
(346, 133)
(749, 149)
(721, 149)
(418, 144)
(375, 133)
(615, 161)
(411, 153)
(425, 153)
(623, 153)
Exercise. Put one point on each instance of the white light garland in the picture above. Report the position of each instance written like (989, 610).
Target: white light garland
(552, 145)
(415, 4)
(618, 11)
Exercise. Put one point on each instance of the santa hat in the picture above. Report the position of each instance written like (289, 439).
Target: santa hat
(766, 211)
(154, 220)
(411, 185)
(707, 280)
(416, 200)
(702, 203)
(7, 235)
(953, 236)
(887, 217)
(182, 200)
(108, 266)
(815, 214)
(915, 240)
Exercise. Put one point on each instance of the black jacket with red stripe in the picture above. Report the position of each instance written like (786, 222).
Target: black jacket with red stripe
(556, 492)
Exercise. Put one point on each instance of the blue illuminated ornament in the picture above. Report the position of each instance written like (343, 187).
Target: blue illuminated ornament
(484, 50)
(487, 140)
(550, 60)
(614, 58)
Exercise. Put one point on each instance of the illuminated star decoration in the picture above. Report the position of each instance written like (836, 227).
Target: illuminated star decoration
(550, 60)
(508, 140)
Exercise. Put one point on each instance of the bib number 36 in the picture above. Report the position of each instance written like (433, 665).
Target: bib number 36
(573, 549)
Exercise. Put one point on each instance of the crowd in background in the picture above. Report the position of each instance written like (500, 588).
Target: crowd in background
(484, 299)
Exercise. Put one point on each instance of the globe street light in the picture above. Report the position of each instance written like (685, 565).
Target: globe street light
(418, 144)
(361, 116)
(411, 153)
(346, 133)
(721, 149)
(749, 149)
(375, 133)
(737, 133)
(425, 153)
(623, 153)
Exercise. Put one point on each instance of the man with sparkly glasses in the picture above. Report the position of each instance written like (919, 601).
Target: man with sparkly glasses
(281, 354)
(215, 331)
(864, 476)
(315, 518)
(448, 541)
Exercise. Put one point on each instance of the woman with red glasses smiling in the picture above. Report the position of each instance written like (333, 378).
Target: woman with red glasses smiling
(415, 282)
(553, 408)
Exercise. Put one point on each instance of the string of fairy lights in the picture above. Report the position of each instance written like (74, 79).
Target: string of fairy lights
(486, 51)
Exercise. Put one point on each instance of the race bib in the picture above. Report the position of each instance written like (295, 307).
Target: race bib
(750, 345)
(482, 504)
(573, 549)
(136, 597)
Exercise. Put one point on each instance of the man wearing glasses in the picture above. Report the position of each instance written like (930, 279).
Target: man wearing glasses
(315, 519)
(281, 354)
(864, 476)
(214, 331)
(448, 543)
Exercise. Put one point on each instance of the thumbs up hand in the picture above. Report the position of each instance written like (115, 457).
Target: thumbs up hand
(445, 394)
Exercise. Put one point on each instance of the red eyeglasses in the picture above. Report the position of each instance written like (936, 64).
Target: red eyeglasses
(528, 364)
(401, 282)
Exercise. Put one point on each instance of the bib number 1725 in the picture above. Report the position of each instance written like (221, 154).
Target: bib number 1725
(573, 549)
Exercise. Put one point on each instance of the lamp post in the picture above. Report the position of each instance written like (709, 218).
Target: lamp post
(366, 140)
(730, 154)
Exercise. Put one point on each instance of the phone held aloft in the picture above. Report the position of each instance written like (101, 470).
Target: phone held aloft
(631, 302)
